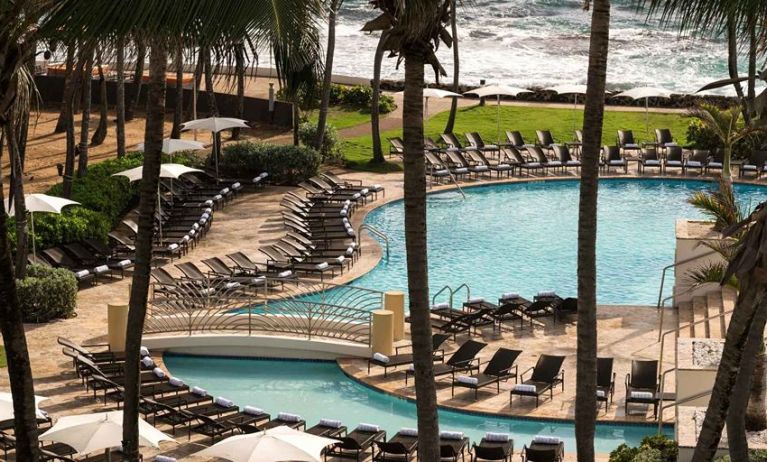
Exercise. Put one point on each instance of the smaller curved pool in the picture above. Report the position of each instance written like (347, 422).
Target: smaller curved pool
(319, 389)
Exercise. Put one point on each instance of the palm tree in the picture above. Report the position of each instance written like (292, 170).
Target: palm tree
(68, 89)
(82, 159)
(456, 67)
(138, 79)
(415, 30)
(327, 81)
(120, 96)
(727, 126)
(209, 88)
(375, 83)
(586, 375)
(240, 69)
(101, 130)
(178, 110)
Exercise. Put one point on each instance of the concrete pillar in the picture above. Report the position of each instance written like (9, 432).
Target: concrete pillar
(395, 302)
(117, 322)
(382, 334)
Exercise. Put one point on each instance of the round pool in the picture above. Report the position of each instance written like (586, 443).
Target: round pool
(522, 237)
(318, 389)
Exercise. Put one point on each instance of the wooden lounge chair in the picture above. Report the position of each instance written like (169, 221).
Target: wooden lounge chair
(545, 139)
(396, 146)
(464, 359)
(452, 445)
(605, 381)
(537, 154)
(356, 444)
(328, 428)
(562, 153)
(493, 446)
(476, 142)
(403, 359)
(400, 448)
(544, 449)
(643, 385)
(464, 323)
(478, 157)
(547, 373)
(648, 158)
(353, 185)
(500, 367)
(59, 259)
(283, 418)
(521, 162)
(516, 139)
(566, 307)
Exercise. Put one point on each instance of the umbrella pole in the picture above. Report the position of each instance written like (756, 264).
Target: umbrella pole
(216, 147)
(108, 454)
(498, 119)
(34, 247)
(647, 117)
(194, 102)
(426, 109)
(159, 208)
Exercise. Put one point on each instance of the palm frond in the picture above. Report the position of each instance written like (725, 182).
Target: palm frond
(720, 205)
(711, 272)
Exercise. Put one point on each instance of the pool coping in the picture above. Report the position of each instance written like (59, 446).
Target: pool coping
(614, 423)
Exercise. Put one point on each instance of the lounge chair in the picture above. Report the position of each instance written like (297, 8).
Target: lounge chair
(611, 157)
(86, 256)
(464, 359)
(577, 144)
(354, 185)
(500, 367)
(451, 141)
(544, 449)
(59, 259)
(396, 146)
(498, 167)
(463, 323)
(562, 153)
(547, 373)
(328, 428)
(544, 305)
(716, 161)
(458, 163)
(516, 139)
(284, 418)
(648, 158)
(626, 142)
(476, 141)
(545, 139)
(356, 444)
(220, 269)
(664, 139)
(521, 161)
(755, 164)
(400, 448)
(213, 428)
(493, 446)
(435, 168)
(698, 160)
(103, 356)
(674, 159)
(452, 444)
(403, 359)
(566, 307)
(643, 385)
(605, 381)
(537, 154)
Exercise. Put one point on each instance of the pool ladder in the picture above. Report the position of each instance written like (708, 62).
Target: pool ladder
(375, 232)
(451, 293)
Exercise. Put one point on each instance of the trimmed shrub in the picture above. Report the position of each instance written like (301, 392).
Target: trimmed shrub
(47, 293)
(754, 455)
(286, 164)
(357, 97)
(701, 137)
(330, 152)
(655, 448)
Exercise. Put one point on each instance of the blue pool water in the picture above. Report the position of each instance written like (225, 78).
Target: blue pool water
(317, 390)
(522, 237)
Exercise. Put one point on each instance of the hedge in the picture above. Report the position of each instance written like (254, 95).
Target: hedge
(47, 293)
(701, 137)
(288, 165)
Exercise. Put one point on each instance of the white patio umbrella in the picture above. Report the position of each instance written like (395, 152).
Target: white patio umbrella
(646, 93)
(497, 91)
(215, 125)
(6, 406)
(171, 145)
(274, 445)
(173, 171)
(570, 89)
(88, 433)
(40, 203)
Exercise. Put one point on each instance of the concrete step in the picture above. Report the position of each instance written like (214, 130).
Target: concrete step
(699, 313)
(715, 322)
(685, 318)
(729, 297)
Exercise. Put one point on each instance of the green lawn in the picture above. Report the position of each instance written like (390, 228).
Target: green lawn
(342, 118)
(561, 122)
(3, 361)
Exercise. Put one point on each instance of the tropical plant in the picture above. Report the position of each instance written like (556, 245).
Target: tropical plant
(658, 448)
(327, 80)
(47, 293)
(720, 205)
(330, 150)
(586, 374)
(288, 165)
(456, 67)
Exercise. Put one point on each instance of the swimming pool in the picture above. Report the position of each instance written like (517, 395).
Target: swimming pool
(522, 237)
(316, 390)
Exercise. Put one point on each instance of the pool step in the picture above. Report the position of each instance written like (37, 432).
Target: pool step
(699, 313)
(715, 322)
(685, 318)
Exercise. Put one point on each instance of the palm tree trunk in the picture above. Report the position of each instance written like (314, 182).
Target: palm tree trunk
(586, 374)
(456, 67)
(328, 76)
(138, 80)
(101, 130)
(17, 188)
(17, 354)
(732, 64)
(752, 53)
(750, 298)
(209, 90)
(375, 127)
(178, 109)
(736, 414)
(69, 162)
(140, 288)
(756, 418)
(82, 161)
(239, 62)
(726, 164)
(68, 89)
(120, 97)
(417, 269)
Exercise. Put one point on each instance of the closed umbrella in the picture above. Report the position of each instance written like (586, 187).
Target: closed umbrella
(88, 433)
(6, 406)
(273, 445)
(497, 91)
(215, 125)
(646, 93)
(41, 203)
(173, 171)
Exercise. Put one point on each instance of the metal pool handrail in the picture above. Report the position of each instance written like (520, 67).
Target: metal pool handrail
(674, 265)
(375, 232)
(297, 307)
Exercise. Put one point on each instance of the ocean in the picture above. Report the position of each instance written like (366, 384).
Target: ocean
(545, 42)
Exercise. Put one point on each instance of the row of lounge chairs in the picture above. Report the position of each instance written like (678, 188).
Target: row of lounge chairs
(89, 260)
